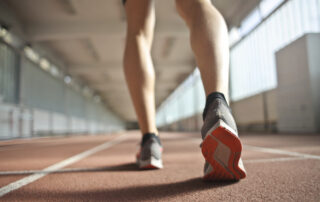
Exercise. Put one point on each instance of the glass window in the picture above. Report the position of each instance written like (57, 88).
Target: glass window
(267, 6)
(250, 22)
(8, 74)
(234, 36)
(253, 66)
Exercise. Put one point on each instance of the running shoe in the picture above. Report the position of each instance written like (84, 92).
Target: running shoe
(221, 146)
(149, 156)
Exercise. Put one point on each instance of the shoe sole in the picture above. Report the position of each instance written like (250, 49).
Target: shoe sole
(151, 163)
(222, 149)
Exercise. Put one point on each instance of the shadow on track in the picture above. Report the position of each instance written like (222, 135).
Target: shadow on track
(132, 193)
(151, 192)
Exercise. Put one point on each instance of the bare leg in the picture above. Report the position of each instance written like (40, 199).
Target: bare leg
(209, 41)
(138, 66)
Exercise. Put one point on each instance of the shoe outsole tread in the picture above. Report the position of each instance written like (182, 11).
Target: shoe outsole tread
(224, 167)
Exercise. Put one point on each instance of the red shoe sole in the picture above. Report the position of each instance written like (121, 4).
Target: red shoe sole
(151, 163)
(222, 149)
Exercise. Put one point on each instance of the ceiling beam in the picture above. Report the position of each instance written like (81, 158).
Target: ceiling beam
(116, 66)
(81, 29)
(96, 65)
(101, 67)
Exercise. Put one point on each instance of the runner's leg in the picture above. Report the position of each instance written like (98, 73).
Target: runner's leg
(138, 66)
(209, 41)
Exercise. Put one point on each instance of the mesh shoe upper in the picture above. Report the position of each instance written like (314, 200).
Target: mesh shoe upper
(151, 147)
(217, 110)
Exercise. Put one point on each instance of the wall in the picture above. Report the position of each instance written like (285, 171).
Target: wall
(256, 113)
(187, 100)
(298, 90)
(253, 64)
(253, 72)
(9, 61)
(192, 123)
(34, 102)
(22, 122)
(314, 67)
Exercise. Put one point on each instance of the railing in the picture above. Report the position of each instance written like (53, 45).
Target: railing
(21, 122)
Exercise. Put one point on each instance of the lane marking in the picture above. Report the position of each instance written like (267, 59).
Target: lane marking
(37, 174)
(67, 170)
(35, 146)
(27, 180)
(273, 151)
(279, 151)
(274, 160)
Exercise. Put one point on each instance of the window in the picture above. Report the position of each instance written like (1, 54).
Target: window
(253, 65)
(267, 6)
(250, 22)
(8, 74)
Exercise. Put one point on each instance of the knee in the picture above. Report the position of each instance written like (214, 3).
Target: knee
(141, 24)
(187, 8)
(195, 11)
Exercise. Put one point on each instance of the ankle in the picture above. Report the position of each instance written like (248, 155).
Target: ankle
(147, 136)
(210, 99)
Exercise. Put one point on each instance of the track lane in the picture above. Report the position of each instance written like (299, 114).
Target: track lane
(110, 175)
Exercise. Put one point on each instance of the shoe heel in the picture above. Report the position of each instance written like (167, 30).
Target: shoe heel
(222, 149)
(151, 163)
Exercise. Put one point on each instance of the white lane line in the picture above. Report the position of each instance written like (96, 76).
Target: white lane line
(274, 160)
(279, 151)
(67, 170)
(272, 150)
(27, 180)
(36, 146)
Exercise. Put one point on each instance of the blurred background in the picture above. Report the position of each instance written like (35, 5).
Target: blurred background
(61, 67)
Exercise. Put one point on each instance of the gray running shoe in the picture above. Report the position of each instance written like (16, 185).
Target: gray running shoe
(149, 156)
(221, 146)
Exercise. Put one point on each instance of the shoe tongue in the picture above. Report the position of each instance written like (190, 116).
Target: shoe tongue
(147, 136)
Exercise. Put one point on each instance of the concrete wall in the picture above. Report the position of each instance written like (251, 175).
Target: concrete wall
(298, 85)
(192, 123)
(257, 112)
(313, 47)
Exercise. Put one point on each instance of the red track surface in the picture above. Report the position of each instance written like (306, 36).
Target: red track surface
(111, 175)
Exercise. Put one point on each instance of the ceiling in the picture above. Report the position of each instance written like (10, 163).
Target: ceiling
(89, 35)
